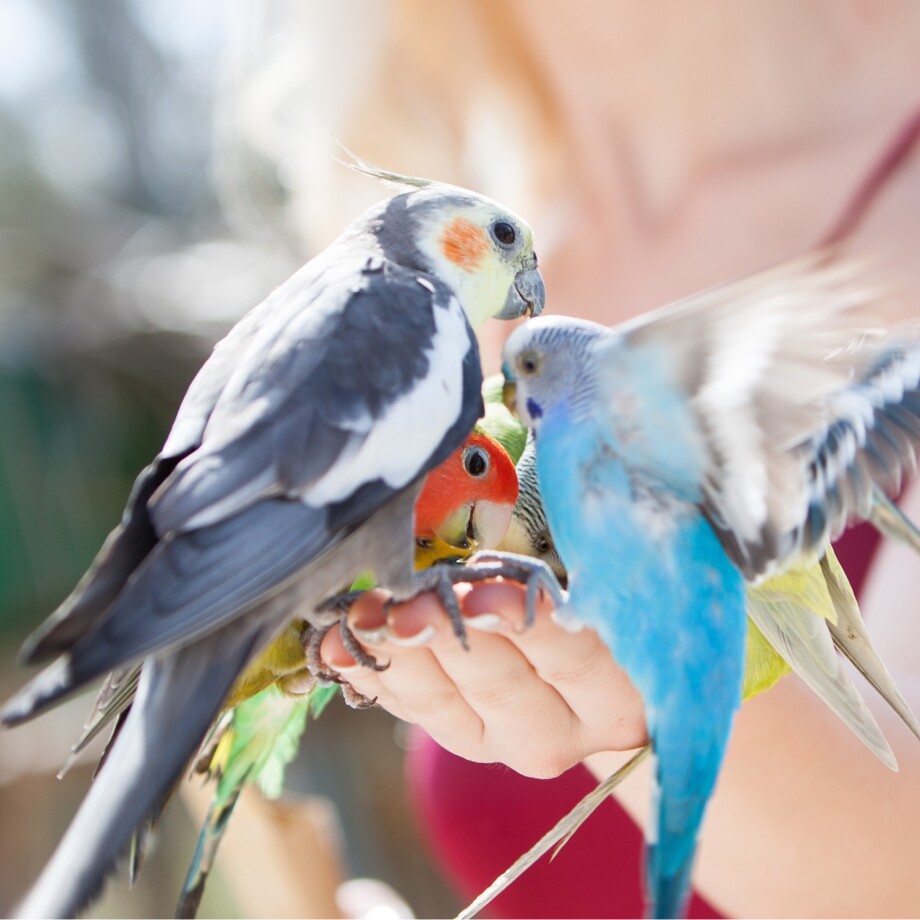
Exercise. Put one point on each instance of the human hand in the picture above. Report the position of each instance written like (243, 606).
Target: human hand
(539, 700)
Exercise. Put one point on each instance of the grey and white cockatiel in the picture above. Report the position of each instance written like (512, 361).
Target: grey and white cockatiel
(292, 467)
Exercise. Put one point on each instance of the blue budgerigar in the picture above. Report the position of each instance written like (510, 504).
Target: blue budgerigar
(690, 452)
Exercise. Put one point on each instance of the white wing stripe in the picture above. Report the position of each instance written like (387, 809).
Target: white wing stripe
(410, 430)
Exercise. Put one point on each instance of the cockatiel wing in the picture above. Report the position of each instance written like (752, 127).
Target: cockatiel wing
(306, 440)
(797, 406)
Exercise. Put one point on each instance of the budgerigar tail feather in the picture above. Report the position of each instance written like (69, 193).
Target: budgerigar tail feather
(670, 856)
(669, 892)
(890, 520)
(684, 772)
(150, 754)
(851, 637)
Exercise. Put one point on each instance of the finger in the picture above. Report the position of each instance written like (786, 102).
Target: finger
(414, 687)
(337, 657)
(524, 721)
(577, 665)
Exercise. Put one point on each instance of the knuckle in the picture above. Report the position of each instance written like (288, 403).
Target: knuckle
(428, 704)
(496, 693)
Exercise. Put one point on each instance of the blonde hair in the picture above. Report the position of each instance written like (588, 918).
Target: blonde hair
(447, 90)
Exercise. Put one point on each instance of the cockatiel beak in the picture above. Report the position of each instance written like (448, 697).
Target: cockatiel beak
(488, 523)
(527, 296)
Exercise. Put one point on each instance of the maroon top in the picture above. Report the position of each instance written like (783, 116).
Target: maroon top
(479, 818)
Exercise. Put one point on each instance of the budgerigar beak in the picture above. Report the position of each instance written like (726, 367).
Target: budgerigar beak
(489, 523)
(527, 296)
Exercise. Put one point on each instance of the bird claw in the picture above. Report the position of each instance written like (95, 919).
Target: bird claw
(312, 639)
(339, 603)
(357, 651)
(534, 574)
(354, 699)
(441, 580)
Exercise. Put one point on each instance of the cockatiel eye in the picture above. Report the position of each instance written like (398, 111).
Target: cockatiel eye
(504, 232)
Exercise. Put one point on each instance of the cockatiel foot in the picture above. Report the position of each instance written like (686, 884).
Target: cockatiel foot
(339, 603)
(313, 637)
(312, 640)
(357, 651)
(534, 574)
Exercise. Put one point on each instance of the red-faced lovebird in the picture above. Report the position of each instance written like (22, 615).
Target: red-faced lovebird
(292, 467)
(692, 451)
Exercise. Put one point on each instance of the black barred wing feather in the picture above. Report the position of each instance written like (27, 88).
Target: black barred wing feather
(799, 403)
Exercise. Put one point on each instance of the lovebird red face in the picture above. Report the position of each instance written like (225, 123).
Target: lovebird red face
(468, 498)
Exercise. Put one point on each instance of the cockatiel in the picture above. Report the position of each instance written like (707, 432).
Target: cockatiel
(690, 452)
(464, 505)
(293, 466)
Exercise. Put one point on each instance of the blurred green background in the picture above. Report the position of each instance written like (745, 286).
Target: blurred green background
(119, 268)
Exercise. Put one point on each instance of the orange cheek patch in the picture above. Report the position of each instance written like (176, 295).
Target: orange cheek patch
(464, 244)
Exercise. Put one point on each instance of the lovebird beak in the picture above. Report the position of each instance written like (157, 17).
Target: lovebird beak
(527, 296)
(489, 523)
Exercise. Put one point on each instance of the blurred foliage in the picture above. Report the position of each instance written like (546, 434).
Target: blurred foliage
(118, 271)
(104, 185)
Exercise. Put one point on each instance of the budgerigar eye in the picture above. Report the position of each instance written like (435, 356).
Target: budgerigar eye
(543, 544)
(529, 362)
(504, 232)
(476, 462)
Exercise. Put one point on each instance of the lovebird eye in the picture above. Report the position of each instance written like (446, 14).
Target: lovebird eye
(476, 462)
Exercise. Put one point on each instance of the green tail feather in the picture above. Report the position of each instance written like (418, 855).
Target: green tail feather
(261, 740)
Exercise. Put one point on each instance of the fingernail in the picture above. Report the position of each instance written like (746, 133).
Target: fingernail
(350, 669)
(423, 637)
(372, 636)
(567, 622)
(484, 622)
